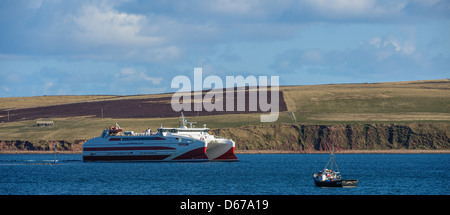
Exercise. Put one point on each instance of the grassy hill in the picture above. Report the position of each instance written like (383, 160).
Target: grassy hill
(328, 105)
(394, 101)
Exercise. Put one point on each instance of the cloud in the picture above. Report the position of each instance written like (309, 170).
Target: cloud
(228, 55)
(342, 7)
(231, 7)
(131, 75)
(374, 10)
(382, 58)
(35, 4)
(114, 30)
(70, 78)
(102, 25)
(134, 80)
(126, 46)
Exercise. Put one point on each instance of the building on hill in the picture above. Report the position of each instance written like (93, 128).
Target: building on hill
(44, 123)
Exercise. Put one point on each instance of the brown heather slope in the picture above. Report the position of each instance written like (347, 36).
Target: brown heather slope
(125, 108)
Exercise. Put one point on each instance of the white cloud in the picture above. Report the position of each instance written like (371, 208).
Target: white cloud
(376, 41)
(427, 2)
(232, 6)
(170, 52)
(6, 89)
(131, 75)
(405, 47)
(379, 57)
(127, 71)
(312, 56)
(228, 55)
(356, 10)
(35, 4)
(341, 7)
(160, 32)
(99, 25)
(391, 45)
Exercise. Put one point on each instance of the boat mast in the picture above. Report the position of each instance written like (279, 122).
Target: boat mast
(332, 157)
(331, 161)
(182, 121)
(54, 149)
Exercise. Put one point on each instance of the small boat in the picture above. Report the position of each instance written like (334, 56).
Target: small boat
(332, 178)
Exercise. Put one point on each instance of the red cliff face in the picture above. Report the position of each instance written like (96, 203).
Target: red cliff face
(342, 136)
(41, 145)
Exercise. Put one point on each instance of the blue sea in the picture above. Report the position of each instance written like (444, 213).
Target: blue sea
(254, 174)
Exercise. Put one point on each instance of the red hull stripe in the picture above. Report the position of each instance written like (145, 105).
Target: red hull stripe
(228, 156)
(128, 148)
(125, 158)
(134, 138)
(199, 153)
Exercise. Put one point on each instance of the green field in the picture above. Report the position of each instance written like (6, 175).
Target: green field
(414, 101)
(395, 101)
(86, 127)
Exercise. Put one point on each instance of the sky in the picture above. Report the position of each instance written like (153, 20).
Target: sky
(129, 47)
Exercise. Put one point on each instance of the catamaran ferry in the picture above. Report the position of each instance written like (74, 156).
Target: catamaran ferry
(168, 144)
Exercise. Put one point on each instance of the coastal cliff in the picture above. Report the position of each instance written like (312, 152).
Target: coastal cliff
(18, 146)
(298, 138)
(380, 136)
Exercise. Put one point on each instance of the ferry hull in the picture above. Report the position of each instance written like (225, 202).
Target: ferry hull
(103, 150)
(126, 158)
(222, 150)
(228, 156)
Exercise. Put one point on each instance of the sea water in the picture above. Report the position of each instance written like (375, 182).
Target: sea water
(254, 174)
